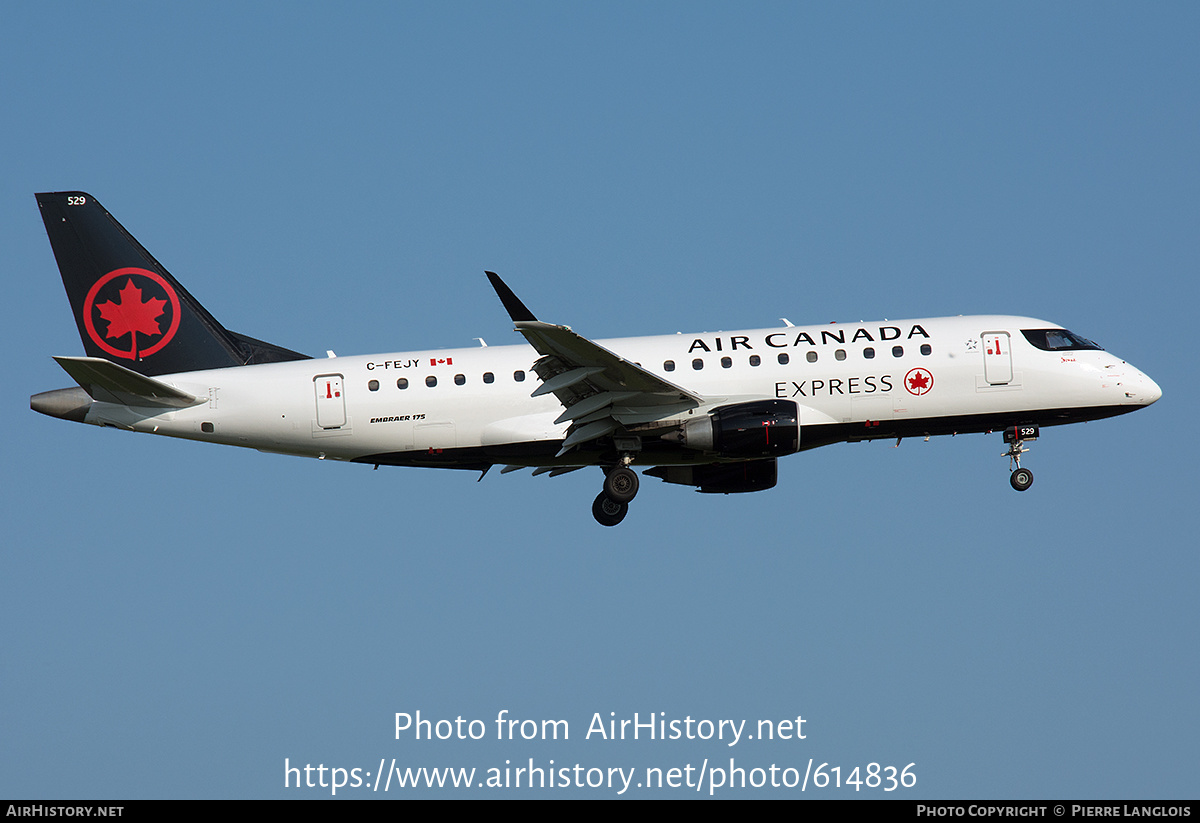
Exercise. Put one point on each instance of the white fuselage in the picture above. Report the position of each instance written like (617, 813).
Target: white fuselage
(850, 381)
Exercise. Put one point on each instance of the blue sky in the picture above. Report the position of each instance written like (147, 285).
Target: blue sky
(179, 619)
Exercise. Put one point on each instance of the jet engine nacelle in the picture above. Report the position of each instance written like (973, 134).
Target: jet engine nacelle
(761, 428)
(722, 478)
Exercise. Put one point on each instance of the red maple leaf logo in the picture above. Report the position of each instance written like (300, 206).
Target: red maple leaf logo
(132, 314)
(918, 381)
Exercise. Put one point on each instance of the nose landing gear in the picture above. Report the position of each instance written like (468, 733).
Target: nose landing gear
(1021, 479)
(1016, 436)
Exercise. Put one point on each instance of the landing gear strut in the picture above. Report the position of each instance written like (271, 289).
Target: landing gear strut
(1021, 479)
(620, 486)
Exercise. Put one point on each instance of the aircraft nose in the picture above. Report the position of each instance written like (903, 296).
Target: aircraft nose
(1147, 391)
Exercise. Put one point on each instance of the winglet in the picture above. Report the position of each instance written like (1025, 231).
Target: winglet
(512, 304)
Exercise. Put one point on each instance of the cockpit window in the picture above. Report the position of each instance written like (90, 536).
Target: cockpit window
(1058, 340)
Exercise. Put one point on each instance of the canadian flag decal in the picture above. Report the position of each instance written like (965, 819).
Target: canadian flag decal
(441, 361)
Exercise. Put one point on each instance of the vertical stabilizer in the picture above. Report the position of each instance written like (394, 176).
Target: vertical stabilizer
(129, 309)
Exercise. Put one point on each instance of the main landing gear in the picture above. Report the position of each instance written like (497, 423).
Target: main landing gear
(620, 487)
(608, 512)
(1016, 436)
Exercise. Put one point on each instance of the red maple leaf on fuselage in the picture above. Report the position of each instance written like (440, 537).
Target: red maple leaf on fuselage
(918, 381)
(132, 314)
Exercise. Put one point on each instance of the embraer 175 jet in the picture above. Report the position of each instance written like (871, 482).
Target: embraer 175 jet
(713, 410)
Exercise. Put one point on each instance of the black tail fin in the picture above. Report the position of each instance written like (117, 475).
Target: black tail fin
(129, 309)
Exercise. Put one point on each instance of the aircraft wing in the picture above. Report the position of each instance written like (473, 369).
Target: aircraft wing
(600, 390)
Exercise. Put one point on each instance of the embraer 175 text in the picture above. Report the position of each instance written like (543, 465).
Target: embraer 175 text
(714, 410)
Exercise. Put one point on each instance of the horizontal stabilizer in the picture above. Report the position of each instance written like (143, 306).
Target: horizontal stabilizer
(107, 382)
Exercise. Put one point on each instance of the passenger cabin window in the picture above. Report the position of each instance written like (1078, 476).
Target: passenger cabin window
(811, 357)
(726, 362)
(926, 349)
(373, 385)
(868, 353)
(519, 376)
(840, 354)
(402, 383)
(697, 364)
(1059, 340)
(783, 358)
(431, 381)
(897, 351)
(488, 377)
(668, 365)
(460, 379)
(755, 360)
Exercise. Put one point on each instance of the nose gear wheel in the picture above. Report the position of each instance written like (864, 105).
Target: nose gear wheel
(1021, 479)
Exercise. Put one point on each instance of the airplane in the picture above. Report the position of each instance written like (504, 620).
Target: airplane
(712, 410)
